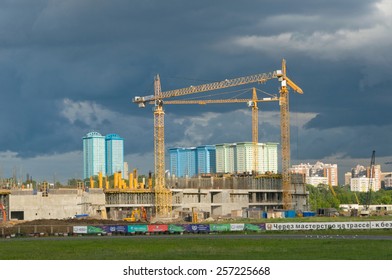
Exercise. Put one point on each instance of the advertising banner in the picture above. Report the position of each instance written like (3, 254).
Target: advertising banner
(220, 227)
(195, 228)
(137, 228)
(94, 229)
(318, 226)
(158, 228)
(176, 228)
(108, 229)
(254, 227)
(381, 224)
(237, 227)
(121, 229)
(80, 229)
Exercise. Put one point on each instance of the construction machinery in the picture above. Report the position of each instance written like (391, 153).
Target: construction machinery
(332, 190)
(252, 103)
(285, 131)
(163, 196)
(356, 198)
(137, 215)
(366, 211)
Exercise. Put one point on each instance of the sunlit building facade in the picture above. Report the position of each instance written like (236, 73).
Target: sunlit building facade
(319, 173)
(114, 146)
(223, 158)
(94, 160)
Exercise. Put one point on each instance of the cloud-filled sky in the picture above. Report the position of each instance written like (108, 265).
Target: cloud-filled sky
(71, 67)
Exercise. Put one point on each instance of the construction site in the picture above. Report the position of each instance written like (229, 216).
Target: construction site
(160, 197)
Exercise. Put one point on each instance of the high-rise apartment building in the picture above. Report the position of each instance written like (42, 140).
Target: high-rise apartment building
(114, 145)
(223, 158)
(93, 154)
(206, 159)
(268, 157)
(386, 180)
(360, 180)
(363, 184)
(102, 154)
(244, 155)
(183, 162)
(347, 178)
(319, 173)
(239, 157)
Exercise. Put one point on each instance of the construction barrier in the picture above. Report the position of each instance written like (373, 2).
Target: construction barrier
(238, 227)
(36, 230)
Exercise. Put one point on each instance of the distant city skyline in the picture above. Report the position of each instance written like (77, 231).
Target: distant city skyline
(318, 173)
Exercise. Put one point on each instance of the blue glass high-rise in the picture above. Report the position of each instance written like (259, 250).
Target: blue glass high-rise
(94, 158)
(114, 154)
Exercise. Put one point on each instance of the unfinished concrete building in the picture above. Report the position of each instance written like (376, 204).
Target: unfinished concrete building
(29, 204)
(215, 196)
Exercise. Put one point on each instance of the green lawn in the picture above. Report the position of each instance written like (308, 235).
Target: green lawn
(193, 248)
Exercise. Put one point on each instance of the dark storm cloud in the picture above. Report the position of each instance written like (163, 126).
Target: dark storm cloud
(69, 67)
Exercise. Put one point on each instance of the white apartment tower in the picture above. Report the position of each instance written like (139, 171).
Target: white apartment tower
(319, 173)
(239, 157)
(225, 158)
(360, 180)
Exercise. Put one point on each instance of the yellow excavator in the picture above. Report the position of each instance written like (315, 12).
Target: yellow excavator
(137, 215)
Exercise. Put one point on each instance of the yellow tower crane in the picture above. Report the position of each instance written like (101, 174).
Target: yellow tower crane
(163, 196)
(255, 115)
(285, 132)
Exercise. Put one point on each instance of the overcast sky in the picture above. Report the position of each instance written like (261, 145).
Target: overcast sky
(71, 67)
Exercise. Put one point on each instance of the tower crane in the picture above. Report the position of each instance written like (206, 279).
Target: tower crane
(163, 197)
(371, 179)
(285, 131)
(255, 114)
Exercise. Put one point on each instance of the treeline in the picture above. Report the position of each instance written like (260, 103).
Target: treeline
(322, 197)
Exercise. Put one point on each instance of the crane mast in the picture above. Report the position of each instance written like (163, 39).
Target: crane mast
(371, 177)
(255, 131)
(162, 194)
(285, 133)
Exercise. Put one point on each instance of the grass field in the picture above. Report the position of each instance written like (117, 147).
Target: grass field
(193, 248)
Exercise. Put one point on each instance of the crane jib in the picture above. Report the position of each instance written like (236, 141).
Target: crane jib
(258, 78)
